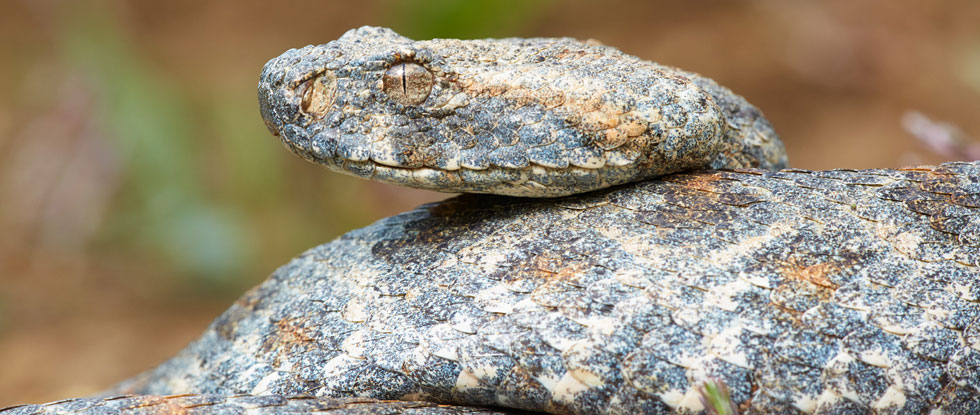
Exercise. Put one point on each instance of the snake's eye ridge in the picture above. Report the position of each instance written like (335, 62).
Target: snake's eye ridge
(407, 83)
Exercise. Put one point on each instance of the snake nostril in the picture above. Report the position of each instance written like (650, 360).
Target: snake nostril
(318, 94)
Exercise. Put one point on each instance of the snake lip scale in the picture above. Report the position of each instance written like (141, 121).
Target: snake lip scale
(619, 284)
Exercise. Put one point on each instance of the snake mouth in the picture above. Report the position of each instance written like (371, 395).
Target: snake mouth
(527, 181)
(531, 181)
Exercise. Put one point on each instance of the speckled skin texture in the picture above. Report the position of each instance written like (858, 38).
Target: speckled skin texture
(834, 292)
(239, 405)
(526, 117)
(805, 292)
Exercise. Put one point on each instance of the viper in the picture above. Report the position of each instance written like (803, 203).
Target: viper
(642, 235)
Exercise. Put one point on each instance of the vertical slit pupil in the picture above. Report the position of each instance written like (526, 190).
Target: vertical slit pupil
(404, 80)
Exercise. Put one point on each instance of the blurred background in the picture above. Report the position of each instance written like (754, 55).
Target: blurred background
(140, 193)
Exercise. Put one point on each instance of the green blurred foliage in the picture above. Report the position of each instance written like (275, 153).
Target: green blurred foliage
(164, 205)
(716, 398)
(464, 19)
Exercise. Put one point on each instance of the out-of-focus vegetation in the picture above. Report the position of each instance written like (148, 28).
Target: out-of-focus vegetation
(140, 192)
(426, 19)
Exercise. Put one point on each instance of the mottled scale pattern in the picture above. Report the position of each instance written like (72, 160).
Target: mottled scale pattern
(529, 117)
(240, 405)
(805, 292)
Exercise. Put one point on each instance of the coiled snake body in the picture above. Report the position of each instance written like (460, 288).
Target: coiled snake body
(828, 292)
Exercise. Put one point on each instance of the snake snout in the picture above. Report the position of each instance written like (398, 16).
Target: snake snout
(266, 109)
(294, 92)
(271, 102)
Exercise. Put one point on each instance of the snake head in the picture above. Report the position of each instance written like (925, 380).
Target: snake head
(524, 117)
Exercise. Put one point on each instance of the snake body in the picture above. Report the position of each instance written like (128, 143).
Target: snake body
(804, 292)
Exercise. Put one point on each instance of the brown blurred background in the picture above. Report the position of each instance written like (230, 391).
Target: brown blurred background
(140, 193)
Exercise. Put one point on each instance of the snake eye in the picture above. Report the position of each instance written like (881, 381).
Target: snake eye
(407, 83)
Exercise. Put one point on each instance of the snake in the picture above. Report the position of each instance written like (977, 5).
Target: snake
(629, 232)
